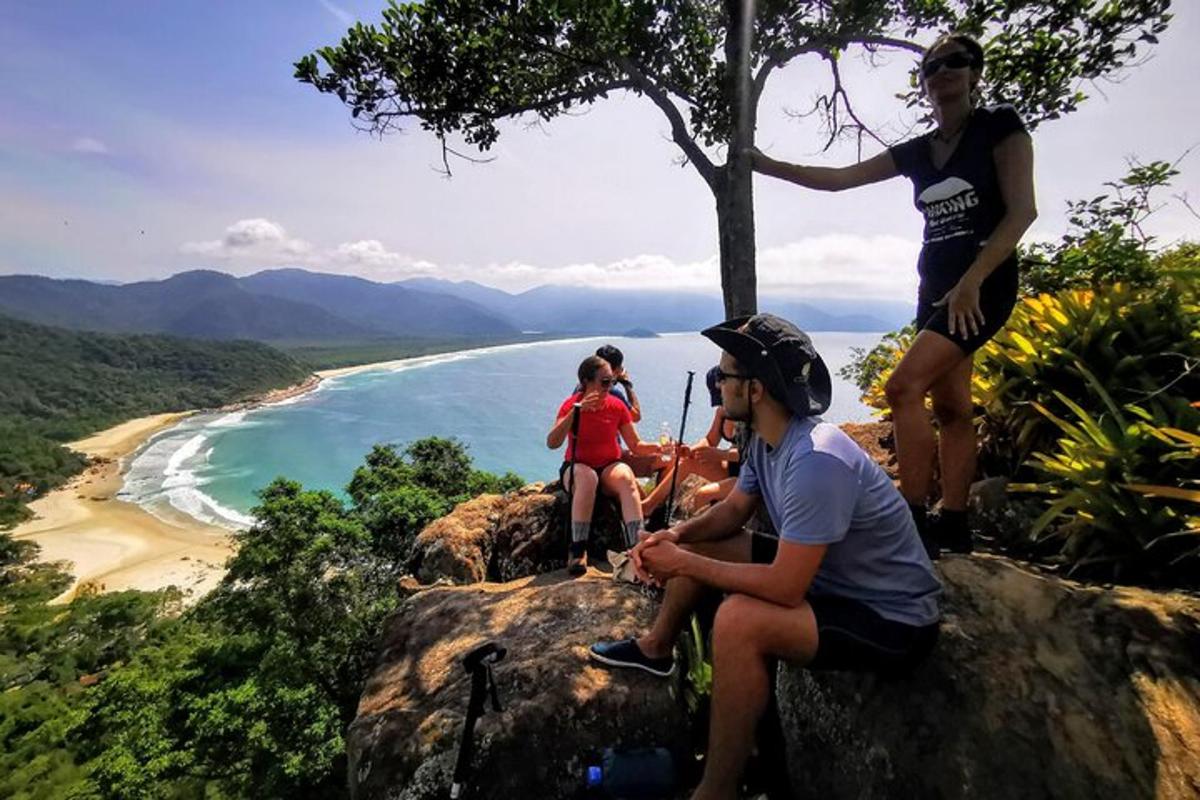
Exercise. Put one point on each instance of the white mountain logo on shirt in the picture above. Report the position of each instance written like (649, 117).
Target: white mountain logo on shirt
(951, 196)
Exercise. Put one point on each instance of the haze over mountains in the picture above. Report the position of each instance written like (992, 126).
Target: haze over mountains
(294, 305)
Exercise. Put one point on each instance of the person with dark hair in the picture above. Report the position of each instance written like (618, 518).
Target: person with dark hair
(972, 180)
(622, 384)
(706, 458)
(595, 455)
(846, 585)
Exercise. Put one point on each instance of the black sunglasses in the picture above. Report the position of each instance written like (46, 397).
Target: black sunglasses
(721, 376)
(606, 382)
(955, 60)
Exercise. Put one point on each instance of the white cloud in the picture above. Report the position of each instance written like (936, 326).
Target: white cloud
(254, 239)
(89, 146)
(831, 265)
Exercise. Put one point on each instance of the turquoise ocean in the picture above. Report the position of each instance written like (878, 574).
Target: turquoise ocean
(498, 401)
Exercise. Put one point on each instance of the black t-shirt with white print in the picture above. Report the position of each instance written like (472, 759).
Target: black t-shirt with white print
(961, 202)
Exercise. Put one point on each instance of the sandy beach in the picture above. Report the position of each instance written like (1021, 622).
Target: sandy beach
(113, 545)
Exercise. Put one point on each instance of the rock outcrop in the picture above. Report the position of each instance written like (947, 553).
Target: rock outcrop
(505, 537)
(1039, 687)
(560, 710)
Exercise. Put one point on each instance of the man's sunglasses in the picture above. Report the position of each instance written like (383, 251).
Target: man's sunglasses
(722, 376)
(956, 60)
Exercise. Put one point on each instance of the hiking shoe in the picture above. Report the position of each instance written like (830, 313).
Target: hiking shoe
(952, 534)
(626, 653)
(577, 559)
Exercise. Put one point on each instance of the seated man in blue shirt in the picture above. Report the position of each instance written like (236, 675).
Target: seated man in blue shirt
(846, 586)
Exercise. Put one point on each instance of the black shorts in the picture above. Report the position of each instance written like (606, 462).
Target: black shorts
(566, 467)
(851, 636)
(996, 301)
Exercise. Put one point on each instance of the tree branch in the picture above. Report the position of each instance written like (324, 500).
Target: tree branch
(777, 59)
(679, 131)
(517, 110)
(840, 91)
(888, 41)
(448, 151)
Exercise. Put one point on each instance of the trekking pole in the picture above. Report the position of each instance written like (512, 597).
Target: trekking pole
(478, 664)
(687, 401)
(573, 443)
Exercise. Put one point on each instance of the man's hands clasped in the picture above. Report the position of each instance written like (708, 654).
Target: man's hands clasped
(657, 557)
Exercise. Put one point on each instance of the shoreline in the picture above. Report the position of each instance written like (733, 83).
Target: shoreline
(340, 372)
(111, 544)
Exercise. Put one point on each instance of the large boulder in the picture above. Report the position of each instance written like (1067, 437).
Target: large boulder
(1038, 688)
(505, 537)
(560, 711)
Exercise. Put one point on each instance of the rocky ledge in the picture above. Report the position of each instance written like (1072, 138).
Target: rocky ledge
(1040, 687)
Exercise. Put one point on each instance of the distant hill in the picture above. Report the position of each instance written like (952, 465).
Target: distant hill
(279, 305)
(385, 308)
(57, 385)
(297, 307)
(571, 309)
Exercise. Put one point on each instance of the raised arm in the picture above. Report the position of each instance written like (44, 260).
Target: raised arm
(558, 432)
(828, 179)
(635, 408)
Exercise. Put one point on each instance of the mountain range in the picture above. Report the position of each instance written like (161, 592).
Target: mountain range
(294, 305)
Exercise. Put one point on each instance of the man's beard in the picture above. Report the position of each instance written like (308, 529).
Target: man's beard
(737, 417)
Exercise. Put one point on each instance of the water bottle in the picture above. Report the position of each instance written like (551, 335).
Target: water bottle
(664, 439)
(643, 773)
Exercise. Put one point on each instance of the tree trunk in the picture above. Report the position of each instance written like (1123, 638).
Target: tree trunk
(735, 227)
(734, 188)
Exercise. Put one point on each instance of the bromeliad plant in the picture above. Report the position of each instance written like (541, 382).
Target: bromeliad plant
(1125, 483)
(1142, 343)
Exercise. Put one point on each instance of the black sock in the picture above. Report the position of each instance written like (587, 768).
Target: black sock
(920, 516)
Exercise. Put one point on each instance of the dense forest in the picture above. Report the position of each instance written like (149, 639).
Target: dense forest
(246, 694)
(58, 385)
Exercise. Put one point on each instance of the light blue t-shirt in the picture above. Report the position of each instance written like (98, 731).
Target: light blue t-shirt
(819, 487)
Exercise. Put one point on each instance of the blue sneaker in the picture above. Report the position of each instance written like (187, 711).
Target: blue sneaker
(626, 653)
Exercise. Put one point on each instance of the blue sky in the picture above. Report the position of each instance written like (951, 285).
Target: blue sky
(139, 139)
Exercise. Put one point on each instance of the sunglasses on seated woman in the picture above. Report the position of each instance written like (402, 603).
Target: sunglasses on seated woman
(956, 60)
(606, 382)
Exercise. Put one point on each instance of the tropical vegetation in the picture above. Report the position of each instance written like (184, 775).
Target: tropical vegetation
(249, 692)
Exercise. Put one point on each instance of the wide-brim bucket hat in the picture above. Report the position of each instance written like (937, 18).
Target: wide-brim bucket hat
(780, 355)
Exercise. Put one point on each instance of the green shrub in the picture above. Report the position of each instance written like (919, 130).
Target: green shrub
(1105, 243)
(1142, 343)
(870, 369)
(1126, 482)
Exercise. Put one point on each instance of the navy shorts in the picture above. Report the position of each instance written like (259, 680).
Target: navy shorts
(852, 637)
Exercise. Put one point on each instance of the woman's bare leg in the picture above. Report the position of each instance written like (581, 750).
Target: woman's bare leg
(930, 357)
(954, 410)
(583, 497)
(618, 481)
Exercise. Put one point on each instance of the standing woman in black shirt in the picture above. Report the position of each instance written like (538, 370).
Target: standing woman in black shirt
(973, 182)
